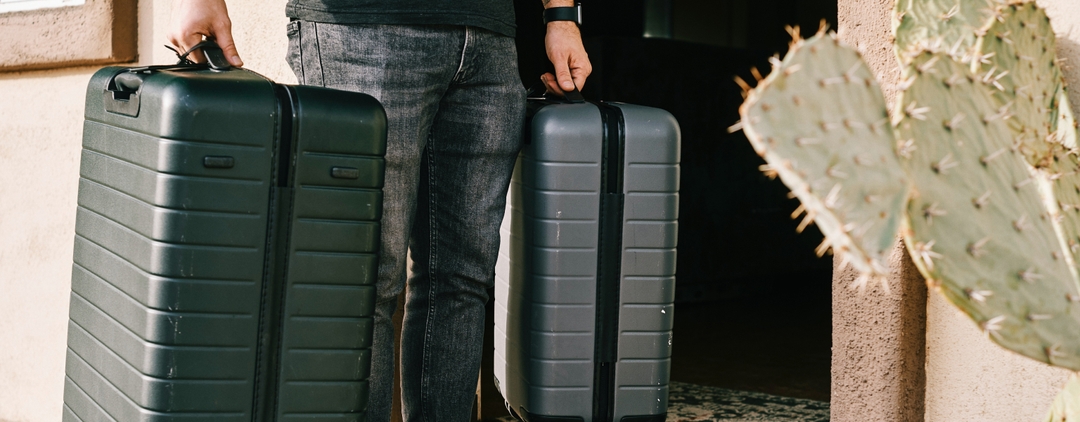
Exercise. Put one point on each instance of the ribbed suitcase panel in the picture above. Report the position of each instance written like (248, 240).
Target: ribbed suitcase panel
(546, 277)
(207, 329)
(169, 250)
(163, 293)
(79, 407)
(87, 380)
(328, 324)
(170, 270)
(649, 238)
(171, 394)
(175, 260)
(546, 308)
(176, 156)
(182, 192)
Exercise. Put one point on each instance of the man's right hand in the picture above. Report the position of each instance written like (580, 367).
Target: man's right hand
(194, 19)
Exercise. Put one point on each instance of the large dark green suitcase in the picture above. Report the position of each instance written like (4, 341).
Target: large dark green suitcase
(225, 250)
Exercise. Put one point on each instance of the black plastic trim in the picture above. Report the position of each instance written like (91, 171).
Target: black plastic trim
(271, 313)
(609, 261)
(532, 417)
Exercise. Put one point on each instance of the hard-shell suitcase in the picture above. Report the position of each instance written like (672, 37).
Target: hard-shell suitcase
(586, 274)
(225, 250)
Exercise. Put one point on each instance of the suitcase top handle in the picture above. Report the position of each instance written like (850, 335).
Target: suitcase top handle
(215, 58)
(122, 94)
(539, 92)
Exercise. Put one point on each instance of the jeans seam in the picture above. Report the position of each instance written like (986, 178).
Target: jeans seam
(318, 53)
(461, 63)
(300, 51)
(433, 259)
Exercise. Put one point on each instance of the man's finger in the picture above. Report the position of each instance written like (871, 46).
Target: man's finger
(551, 84)
(224, 39)
(562, 73)
(579, 79)
(190, 40)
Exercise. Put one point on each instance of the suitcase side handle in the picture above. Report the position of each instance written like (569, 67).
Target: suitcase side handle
(121, 96)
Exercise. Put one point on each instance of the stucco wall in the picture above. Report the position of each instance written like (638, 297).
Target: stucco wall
(968, 378)
(40, 134)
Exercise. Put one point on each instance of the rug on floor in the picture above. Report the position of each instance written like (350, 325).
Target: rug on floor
(690, 402)
(699, 403)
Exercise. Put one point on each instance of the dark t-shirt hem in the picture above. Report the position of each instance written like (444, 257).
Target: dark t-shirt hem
(400, 17)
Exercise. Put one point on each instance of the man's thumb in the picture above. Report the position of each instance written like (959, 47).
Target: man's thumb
(224, 39)
(566, 82)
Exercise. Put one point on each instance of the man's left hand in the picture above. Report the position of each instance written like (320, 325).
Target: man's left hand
(566, 52)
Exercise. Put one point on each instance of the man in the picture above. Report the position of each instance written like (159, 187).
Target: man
(446, 73)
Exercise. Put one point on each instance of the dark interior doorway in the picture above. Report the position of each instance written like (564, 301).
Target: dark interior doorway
(753, 307)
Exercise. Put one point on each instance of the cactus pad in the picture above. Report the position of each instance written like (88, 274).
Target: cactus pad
(1066, 407)
(821, 123)
(1017, 58)
(978, 228)
(918, 24)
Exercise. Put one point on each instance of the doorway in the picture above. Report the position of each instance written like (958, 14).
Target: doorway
(753, 301)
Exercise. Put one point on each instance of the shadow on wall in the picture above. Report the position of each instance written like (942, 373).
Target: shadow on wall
(1070, 48)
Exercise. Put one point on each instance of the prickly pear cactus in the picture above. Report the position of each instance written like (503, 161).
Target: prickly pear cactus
(1066, 406)
(1016, 58)
(978, 228)
(821, 123)
(920, 24)
(1066, 123)
(1061, 184)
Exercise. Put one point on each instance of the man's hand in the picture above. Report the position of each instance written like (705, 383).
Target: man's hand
(564, 49)
(194, 19)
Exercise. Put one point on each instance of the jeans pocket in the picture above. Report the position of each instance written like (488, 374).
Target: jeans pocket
(293, 55)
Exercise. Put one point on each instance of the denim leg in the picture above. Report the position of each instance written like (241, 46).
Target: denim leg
(456, 88)
(466, 170)
(407, 69)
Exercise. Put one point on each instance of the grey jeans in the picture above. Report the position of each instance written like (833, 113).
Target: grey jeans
(455, 108)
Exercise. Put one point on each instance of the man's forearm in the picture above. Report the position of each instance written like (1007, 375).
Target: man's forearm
(557, 3)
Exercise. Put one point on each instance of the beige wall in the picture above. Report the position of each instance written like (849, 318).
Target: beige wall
(967, 378)
(40, 134)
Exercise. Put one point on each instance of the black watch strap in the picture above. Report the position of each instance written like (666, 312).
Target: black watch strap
(572, 14)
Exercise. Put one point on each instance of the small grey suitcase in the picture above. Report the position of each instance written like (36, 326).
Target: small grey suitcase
(586, 274)
(225, 249)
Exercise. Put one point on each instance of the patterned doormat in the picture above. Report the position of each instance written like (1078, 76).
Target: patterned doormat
(690, 402)
(699, 403)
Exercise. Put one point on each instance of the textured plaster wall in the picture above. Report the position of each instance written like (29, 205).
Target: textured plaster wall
(967, 378)
(40, 134)
(879, 343)
(99, 31)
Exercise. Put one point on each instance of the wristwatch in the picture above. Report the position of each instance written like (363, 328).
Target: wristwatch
(572, 14)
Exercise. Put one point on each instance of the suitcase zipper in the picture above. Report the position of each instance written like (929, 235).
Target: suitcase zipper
(609, 261)
(271, 313)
